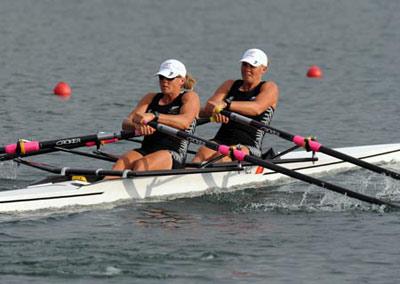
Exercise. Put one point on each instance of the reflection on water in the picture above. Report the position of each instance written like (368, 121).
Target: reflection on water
(151, 216)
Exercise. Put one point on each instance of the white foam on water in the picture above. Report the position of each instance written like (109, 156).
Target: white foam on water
(299, 196)
(8, 170)
(111, 270)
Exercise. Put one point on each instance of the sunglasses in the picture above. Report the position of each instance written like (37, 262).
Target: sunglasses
(160, 77)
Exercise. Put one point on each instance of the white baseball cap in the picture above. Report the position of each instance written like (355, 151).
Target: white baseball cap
(255, 57)
(172, 68)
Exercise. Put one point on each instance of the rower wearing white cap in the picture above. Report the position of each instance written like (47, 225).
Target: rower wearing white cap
(177, 105)
(251, 97)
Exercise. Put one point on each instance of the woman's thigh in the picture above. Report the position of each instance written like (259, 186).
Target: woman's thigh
(159, 160)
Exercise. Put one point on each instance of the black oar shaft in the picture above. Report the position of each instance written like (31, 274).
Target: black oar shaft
(317, 182)
(239, 155)
(24, 148)
(68, 141)
(268, 129)
(83, 140)
(358, 162)
(303, 142)
(66, 171)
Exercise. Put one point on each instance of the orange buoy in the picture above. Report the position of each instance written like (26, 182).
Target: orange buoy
(314, 72)
(62, 89)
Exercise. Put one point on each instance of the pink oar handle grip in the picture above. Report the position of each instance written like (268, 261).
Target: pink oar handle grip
(226, 150)
(301, 141)
(239, 155)
(26, 147)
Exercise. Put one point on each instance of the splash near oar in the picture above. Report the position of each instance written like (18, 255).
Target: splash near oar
(85, 187)
(241, 156)
(308, 143)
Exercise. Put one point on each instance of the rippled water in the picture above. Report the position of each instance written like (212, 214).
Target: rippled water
(109, 50)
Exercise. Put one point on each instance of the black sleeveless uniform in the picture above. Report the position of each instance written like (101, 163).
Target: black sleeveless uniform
(234, 133)
(160, 141)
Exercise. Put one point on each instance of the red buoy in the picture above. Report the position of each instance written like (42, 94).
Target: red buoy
(314, 72)
(62, 89)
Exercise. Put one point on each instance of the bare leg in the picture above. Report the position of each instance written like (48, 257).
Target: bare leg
(127, 160)
(160, 160)
(132, 160)
(204, 154)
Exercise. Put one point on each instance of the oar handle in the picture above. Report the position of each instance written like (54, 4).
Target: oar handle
(25, 147)
(184, 135)
(300, 141)
(308, 143)
(202, 120)
(251, 122)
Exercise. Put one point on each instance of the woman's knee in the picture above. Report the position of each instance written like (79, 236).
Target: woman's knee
(203, 154)
(160, 160)
(127, 160)
(140, 165)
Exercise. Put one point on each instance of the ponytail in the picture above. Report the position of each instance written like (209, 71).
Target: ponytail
(189, 82)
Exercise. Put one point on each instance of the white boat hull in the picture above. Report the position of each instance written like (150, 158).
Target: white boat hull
(76, 193)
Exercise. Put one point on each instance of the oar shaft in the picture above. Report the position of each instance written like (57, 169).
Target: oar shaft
(268, 129)
(358, 162)
(312, 180)
(182, 134)
(309, 144)
(70, 142)
(241, 156)
(66, 171)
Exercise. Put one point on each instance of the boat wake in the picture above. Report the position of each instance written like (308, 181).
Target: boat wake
(284, 196)
(301, 197)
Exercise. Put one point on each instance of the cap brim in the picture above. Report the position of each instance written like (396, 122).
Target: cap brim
(167, 74)
(250, 62)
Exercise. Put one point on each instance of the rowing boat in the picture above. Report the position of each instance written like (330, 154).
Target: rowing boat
(167, 185)
(193, 180)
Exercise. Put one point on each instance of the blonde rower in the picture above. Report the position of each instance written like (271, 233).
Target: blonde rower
(251, 97)
(176, 105)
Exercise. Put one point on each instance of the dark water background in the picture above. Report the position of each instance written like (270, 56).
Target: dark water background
(108, 52)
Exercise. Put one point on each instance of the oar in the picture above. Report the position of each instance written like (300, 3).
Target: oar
(85, 154)
(25, 148)
(28, 148)
(199, 121)
(241, 156)
(308, 143)
(66, 171)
